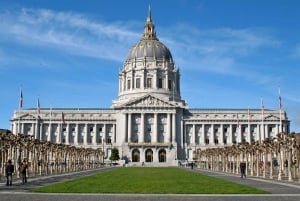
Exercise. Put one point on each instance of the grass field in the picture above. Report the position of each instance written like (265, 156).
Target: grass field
(149, 181)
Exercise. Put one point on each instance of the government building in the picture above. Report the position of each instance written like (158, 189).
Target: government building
(149, 123)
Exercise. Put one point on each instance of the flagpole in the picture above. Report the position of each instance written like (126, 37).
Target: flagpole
(249, 129)
(20, 107)
(50, 124)
(38, 122)
(280, 111)
(262, 120)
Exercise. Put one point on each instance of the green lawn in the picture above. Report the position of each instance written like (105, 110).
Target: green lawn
(149, 181)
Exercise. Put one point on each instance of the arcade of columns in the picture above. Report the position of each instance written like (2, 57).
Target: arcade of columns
(45, 157)
(150, 128)
(69, 133)
(222, 134)
(276, 158)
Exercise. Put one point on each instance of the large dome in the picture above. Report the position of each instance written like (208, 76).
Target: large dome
(149, 70)
(149, 46)
(150, 49)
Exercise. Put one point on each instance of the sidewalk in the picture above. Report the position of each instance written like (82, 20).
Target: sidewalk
(272, 186)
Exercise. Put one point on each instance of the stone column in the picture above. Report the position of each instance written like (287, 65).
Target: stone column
(230, 140)
(76, 140)
(113, 140)
(50, 132)
(202, 140)
(249, 133)
(85, 134)
(155, 129)
(143, 81)
(142, 133)
(212, 133)
(129, 128)
(36, 133)
(193, 140)
(174, 127)
(68, 134)
(155, 80)
(104, 134)
(125, 128)
(41, 132)
(169, 123)
(167, 81)
(22, 128)
(239, 137)
(266, 131)
(168, 130)
(222, 135)
(94, 141)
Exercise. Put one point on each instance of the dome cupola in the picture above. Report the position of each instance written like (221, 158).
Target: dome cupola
(149, 69)
(149, 46)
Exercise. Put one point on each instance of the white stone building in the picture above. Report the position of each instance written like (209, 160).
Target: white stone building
(149, 122)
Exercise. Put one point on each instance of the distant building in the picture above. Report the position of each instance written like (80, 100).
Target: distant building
(149, 122)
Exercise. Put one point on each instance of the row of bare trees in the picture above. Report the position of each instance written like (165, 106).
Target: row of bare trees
(44, 157)
(276, 158)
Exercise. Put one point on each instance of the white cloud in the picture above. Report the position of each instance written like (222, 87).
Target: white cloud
(68, 32)
(213, 50)
(222, 51)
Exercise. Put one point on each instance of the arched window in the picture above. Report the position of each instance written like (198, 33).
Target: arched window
(162, 156)
(149, 155)
(135, 155)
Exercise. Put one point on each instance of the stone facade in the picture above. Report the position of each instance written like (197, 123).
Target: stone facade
(149, 122)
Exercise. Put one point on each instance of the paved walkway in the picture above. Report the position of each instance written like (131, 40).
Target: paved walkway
(272, 186)
(281, 191)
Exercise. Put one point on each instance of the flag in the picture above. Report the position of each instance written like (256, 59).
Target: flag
(280, 104)
(21, 99)
(63, 118)
(38, 108)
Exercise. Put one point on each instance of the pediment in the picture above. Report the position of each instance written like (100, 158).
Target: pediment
(271, 118)
(28, 117)
(147, 101)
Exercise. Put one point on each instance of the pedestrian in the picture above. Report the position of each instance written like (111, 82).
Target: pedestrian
(243, 170)
(9, 170)
(23, 171)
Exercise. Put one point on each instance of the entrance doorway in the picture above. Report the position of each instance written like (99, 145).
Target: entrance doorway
(149, 155)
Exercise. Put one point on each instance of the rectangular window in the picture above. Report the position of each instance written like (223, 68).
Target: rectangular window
(138, 83)
(128, 84)
(149, 82)
(169, 84)
(160, 83)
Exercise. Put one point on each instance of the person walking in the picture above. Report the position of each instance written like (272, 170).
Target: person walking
(9, 170)
(243, 170)
(23, 171)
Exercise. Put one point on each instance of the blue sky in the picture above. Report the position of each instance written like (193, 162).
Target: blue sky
(231, 53)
